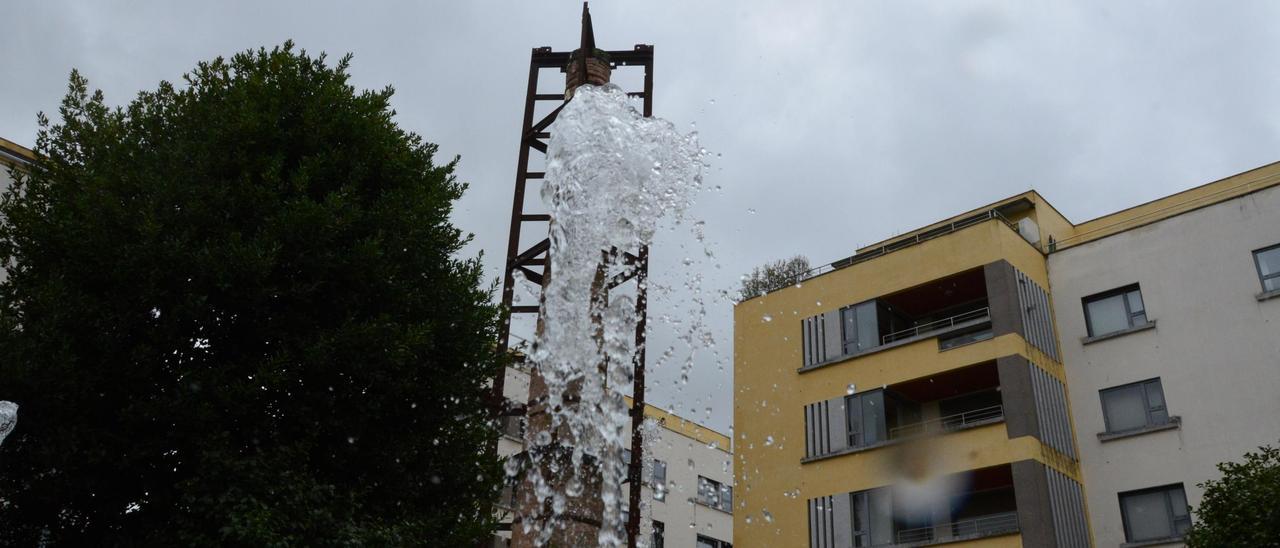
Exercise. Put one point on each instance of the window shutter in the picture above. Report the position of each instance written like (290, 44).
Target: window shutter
(837, 425)
(833, 345)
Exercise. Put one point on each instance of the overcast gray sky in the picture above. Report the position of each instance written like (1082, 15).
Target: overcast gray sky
(838, 123)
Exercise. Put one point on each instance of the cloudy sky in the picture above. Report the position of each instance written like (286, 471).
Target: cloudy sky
(836, 123)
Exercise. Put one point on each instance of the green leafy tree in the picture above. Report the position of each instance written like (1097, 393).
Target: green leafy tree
(1243, 508)
(772, 275)
(235, 315)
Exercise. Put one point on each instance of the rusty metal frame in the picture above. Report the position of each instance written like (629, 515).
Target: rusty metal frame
(533, 135)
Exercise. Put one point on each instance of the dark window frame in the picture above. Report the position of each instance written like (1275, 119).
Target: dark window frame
(1146, 401)
(1257, 266)
(720, 501)
(1130, 314)
(1174, 518)
(659, 534)
(713, 541)
(659, 485)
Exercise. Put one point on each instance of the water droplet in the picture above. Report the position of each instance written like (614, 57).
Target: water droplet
(351, 439)
(849, 390)
(712, 101)
(766, 318)
(751, 211)
(767, 516)
(768, 440)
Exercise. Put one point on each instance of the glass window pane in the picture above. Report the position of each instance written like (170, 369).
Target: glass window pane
(868, 330)
(881, 517)
(1124, 408)
(849, 319)
(1107, 315)
(1135, 301)
(1269, 261)
(1155, 396)
(1271, 284)
(1178, 502)
(726, 498)
(1147, 516)
(873, 417)
(704, 542)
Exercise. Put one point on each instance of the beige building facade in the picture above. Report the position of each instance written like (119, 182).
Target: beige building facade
(1192, 380)
(687, 500)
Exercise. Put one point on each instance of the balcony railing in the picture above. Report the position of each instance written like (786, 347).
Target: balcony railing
(895, 246)
(939, 325)
(949, 423)
(993, 524)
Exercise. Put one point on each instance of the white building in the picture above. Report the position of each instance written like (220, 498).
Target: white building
(1172, 339)
(12, 156)
(691, 463)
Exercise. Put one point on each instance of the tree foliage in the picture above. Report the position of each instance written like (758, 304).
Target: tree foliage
(1243, 507)
(772, 275)
(235, 316)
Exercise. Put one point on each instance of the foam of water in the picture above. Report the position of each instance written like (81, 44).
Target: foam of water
(611, 175)
(8, 418)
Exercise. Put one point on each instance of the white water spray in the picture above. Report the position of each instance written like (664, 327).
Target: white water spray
(8, 418)
(611, 175)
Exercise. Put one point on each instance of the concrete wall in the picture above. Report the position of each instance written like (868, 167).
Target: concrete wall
(1215, 347)
(681, 509)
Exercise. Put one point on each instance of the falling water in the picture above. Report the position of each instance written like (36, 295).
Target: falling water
(611, 175)
(8, 418)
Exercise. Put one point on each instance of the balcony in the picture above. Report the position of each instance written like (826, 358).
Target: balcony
(924, 511)
(949, 423)
(940, 404)
(985, 526)
(954, 309)
(945, 325)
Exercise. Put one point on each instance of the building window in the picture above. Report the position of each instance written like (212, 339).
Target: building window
(866, 420)
(715, 494)
(708, 542)
(1158, 513)
(1134, 406)
(659, 480)
(861, 330)
(872, 517)
(1268, 263)
(659, 532)
(1114, 311)
(512, 425)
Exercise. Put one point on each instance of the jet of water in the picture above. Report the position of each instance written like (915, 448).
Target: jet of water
(611, 175)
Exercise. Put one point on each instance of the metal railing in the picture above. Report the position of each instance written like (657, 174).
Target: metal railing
(895, 246)
(939, 325)
(949, 422)
(986, 525)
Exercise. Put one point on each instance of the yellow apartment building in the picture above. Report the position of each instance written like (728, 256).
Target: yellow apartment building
(917, 393)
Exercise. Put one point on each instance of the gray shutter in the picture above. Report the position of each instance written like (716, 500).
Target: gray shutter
(820, 337)
(834, 344)
(837, 424)
(1066, 503)
(811, 335)
(815, 429)
(1037, 320)
(842, 520)
(1051, 411)
(821, 525)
